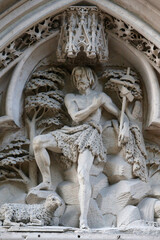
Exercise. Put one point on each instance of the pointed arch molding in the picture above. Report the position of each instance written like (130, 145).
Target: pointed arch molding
(39, 26)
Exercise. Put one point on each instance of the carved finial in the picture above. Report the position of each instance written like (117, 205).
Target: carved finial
(83, 30)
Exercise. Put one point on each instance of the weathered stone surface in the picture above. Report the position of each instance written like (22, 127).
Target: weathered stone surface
(157, 209)
(157, 220)
(60, 210)
(68, 192)
(98, 183)
(55, 221)
(71, 216)
(36, 197)
(110, 220)
(96, 169)
(71, 174)
(117, 169)
(127, 192)
(155, 191)
(95, 217)
(28, 46)
(12, 193)
(147, 208)
(128, 215)
(110, 143)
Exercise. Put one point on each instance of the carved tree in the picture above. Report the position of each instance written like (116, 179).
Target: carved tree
(114, 79)
(44, 102)
(13, 155)
(153, 159)
(127, 85)
(44, 106)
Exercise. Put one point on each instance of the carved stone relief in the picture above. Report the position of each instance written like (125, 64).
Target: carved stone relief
(80, 156)
(83, 27)
(70, 28)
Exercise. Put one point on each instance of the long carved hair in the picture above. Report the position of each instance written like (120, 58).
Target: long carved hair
(91, 76)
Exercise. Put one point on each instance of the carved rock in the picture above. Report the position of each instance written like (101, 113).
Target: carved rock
(11, 194)
(98, 183)
(110, 143)
(147, 208)
(71, 174)
(117, 169)
(157, 209)
(127, 192)
(36, 196)
(128, 215)
(96, 169)
(71, 216)
(69, 192)
(65, 188)
(95, 217)
(110, 220)
(155, 192)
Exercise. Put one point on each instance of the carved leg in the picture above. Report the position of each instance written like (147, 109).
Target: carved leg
(40, 145)
(8, 217)
(85, 162)
(36, 222)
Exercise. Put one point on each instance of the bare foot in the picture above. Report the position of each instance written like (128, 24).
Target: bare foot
(42, 186)
(84, 225)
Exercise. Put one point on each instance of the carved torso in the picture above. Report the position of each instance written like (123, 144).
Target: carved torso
(84, 101)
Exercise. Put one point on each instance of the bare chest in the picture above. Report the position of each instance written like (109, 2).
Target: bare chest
(84, 101)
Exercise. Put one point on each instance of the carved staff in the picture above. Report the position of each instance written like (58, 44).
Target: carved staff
(126, 95)
(127, 87)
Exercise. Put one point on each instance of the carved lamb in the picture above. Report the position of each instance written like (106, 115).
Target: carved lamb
(35, 214)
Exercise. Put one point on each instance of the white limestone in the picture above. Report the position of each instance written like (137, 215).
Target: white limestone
(117, 169)
(79, 121)
(37, 214)
(68, 192)
(128, 215)
(119, 195)
(98, 183)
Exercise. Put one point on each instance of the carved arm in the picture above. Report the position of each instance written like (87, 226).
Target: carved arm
(81, 115)
(112, 108)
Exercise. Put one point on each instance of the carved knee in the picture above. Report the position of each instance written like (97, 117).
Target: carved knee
(83, 177)
(37, 143)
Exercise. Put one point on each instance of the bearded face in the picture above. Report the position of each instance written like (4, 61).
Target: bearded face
(82, 82)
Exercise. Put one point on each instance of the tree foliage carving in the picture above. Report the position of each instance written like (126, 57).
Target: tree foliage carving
(153, 160)
(13, 156)
(44, 102)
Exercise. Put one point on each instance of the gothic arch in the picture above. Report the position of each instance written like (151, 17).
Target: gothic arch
(44, 48)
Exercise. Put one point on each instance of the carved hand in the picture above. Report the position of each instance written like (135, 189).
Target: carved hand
(81, 115)
(124, 134)
(96, 103)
